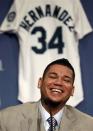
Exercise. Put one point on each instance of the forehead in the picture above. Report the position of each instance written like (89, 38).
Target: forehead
(59, 68)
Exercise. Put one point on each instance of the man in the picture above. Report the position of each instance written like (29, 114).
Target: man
(50, 113)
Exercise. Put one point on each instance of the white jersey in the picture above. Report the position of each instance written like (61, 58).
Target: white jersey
(47, 30)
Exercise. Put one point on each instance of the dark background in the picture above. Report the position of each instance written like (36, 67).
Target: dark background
(9, 49)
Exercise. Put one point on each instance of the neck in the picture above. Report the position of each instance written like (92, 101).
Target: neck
(52, 107)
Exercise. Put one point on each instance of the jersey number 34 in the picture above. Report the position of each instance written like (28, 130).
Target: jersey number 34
(54, 43)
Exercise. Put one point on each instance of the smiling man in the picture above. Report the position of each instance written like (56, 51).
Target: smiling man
(50, 113)
(56, 85)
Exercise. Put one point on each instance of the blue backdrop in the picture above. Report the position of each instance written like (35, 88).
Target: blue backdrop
(9, 49)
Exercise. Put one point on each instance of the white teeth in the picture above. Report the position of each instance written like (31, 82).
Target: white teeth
(56, 90)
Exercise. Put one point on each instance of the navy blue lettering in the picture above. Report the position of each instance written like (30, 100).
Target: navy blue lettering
(56, 11)
(39, 11)
(26, 24)
(71, 28)
(48, 10)
(63, 15)
(33, 15)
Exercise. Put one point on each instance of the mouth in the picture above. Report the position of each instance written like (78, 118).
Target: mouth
(56, 90)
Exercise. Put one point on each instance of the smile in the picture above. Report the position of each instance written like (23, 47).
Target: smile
(56, 90)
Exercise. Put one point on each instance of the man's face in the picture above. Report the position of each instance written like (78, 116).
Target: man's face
(57, 84)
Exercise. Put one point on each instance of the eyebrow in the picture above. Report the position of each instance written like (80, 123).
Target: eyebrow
(53, 73)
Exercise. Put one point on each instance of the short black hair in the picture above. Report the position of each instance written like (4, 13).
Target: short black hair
(63, 62)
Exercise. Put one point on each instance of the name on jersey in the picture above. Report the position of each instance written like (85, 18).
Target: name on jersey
(57, 12)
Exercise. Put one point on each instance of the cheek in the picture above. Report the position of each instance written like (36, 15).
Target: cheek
(46, 86)
(48, 82)
(68, 89)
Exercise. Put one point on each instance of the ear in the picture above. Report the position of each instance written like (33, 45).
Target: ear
(72, 91)
(39, 82)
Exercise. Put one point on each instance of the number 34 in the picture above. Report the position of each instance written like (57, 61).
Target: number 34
(55, 41)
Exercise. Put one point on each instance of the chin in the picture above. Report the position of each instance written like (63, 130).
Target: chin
(55, 103)
(51, 102)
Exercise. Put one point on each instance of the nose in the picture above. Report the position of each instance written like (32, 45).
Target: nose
(59, 81)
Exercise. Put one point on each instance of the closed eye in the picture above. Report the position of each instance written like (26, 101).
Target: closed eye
(52, 75)
(68, 79)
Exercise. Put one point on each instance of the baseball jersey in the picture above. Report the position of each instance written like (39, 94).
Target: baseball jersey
(46, 30)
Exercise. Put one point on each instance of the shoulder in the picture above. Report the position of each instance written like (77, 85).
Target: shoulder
(18, 110)
(17, 117)
(78, 115)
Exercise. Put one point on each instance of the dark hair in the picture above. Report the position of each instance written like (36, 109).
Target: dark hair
(63, 62)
